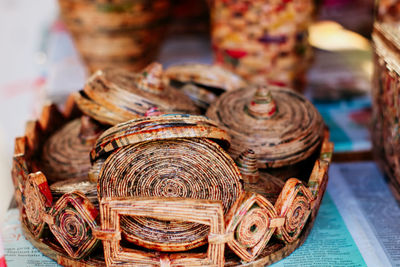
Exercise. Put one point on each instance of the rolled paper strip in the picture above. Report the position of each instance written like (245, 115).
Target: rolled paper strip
(20, 145)
(74, 220)
(249, 219)
(150, 79)
(294, 204)
(317, 177)
(327, 151)
(19, 175)
(66, 153)
(291, 135)
(169, 168)
(167, 126)
(247, 164)
(19, 171)
(83, 185)
(36, 199)
(262, 104)
(129, 95)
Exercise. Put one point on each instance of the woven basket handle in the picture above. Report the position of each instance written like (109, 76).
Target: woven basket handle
(179, 209)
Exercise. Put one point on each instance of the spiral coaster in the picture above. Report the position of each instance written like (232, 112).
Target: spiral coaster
(294, 204)
(36, 199)
(278, 124)
(157, 128)
(66, 153)
(124, 95)
(72, 221)
(169, 168)
(252, 221)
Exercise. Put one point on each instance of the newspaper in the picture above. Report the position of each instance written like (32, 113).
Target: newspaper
(369, 210)
(19, 251)
(357, 225)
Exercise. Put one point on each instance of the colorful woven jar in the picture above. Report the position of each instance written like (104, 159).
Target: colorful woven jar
(263, 41)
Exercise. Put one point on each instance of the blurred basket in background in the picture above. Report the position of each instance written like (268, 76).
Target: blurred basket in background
(263, 41)
(386, 102)
(125, 34)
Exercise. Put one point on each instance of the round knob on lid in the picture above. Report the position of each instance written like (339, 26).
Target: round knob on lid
(150, 79)
(262, 105)
(281, 126)
(89, 130)
(247, 165)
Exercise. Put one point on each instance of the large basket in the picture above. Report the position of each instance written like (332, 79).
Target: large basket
(68, 228)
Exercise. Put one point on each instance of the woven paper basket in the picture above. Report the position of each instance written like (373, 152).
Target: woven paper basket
(77, 241)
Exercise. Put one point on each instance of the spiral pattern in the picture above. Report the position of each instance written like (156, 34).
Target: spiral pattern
(290, 135)
(66, 154)
(36, 199)
(129, 95)
(252, 228)
(169, 168)
(294, 203)
(249, 220)
(168, 126)
(34, 208)
(74, 220)
(72, 227)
